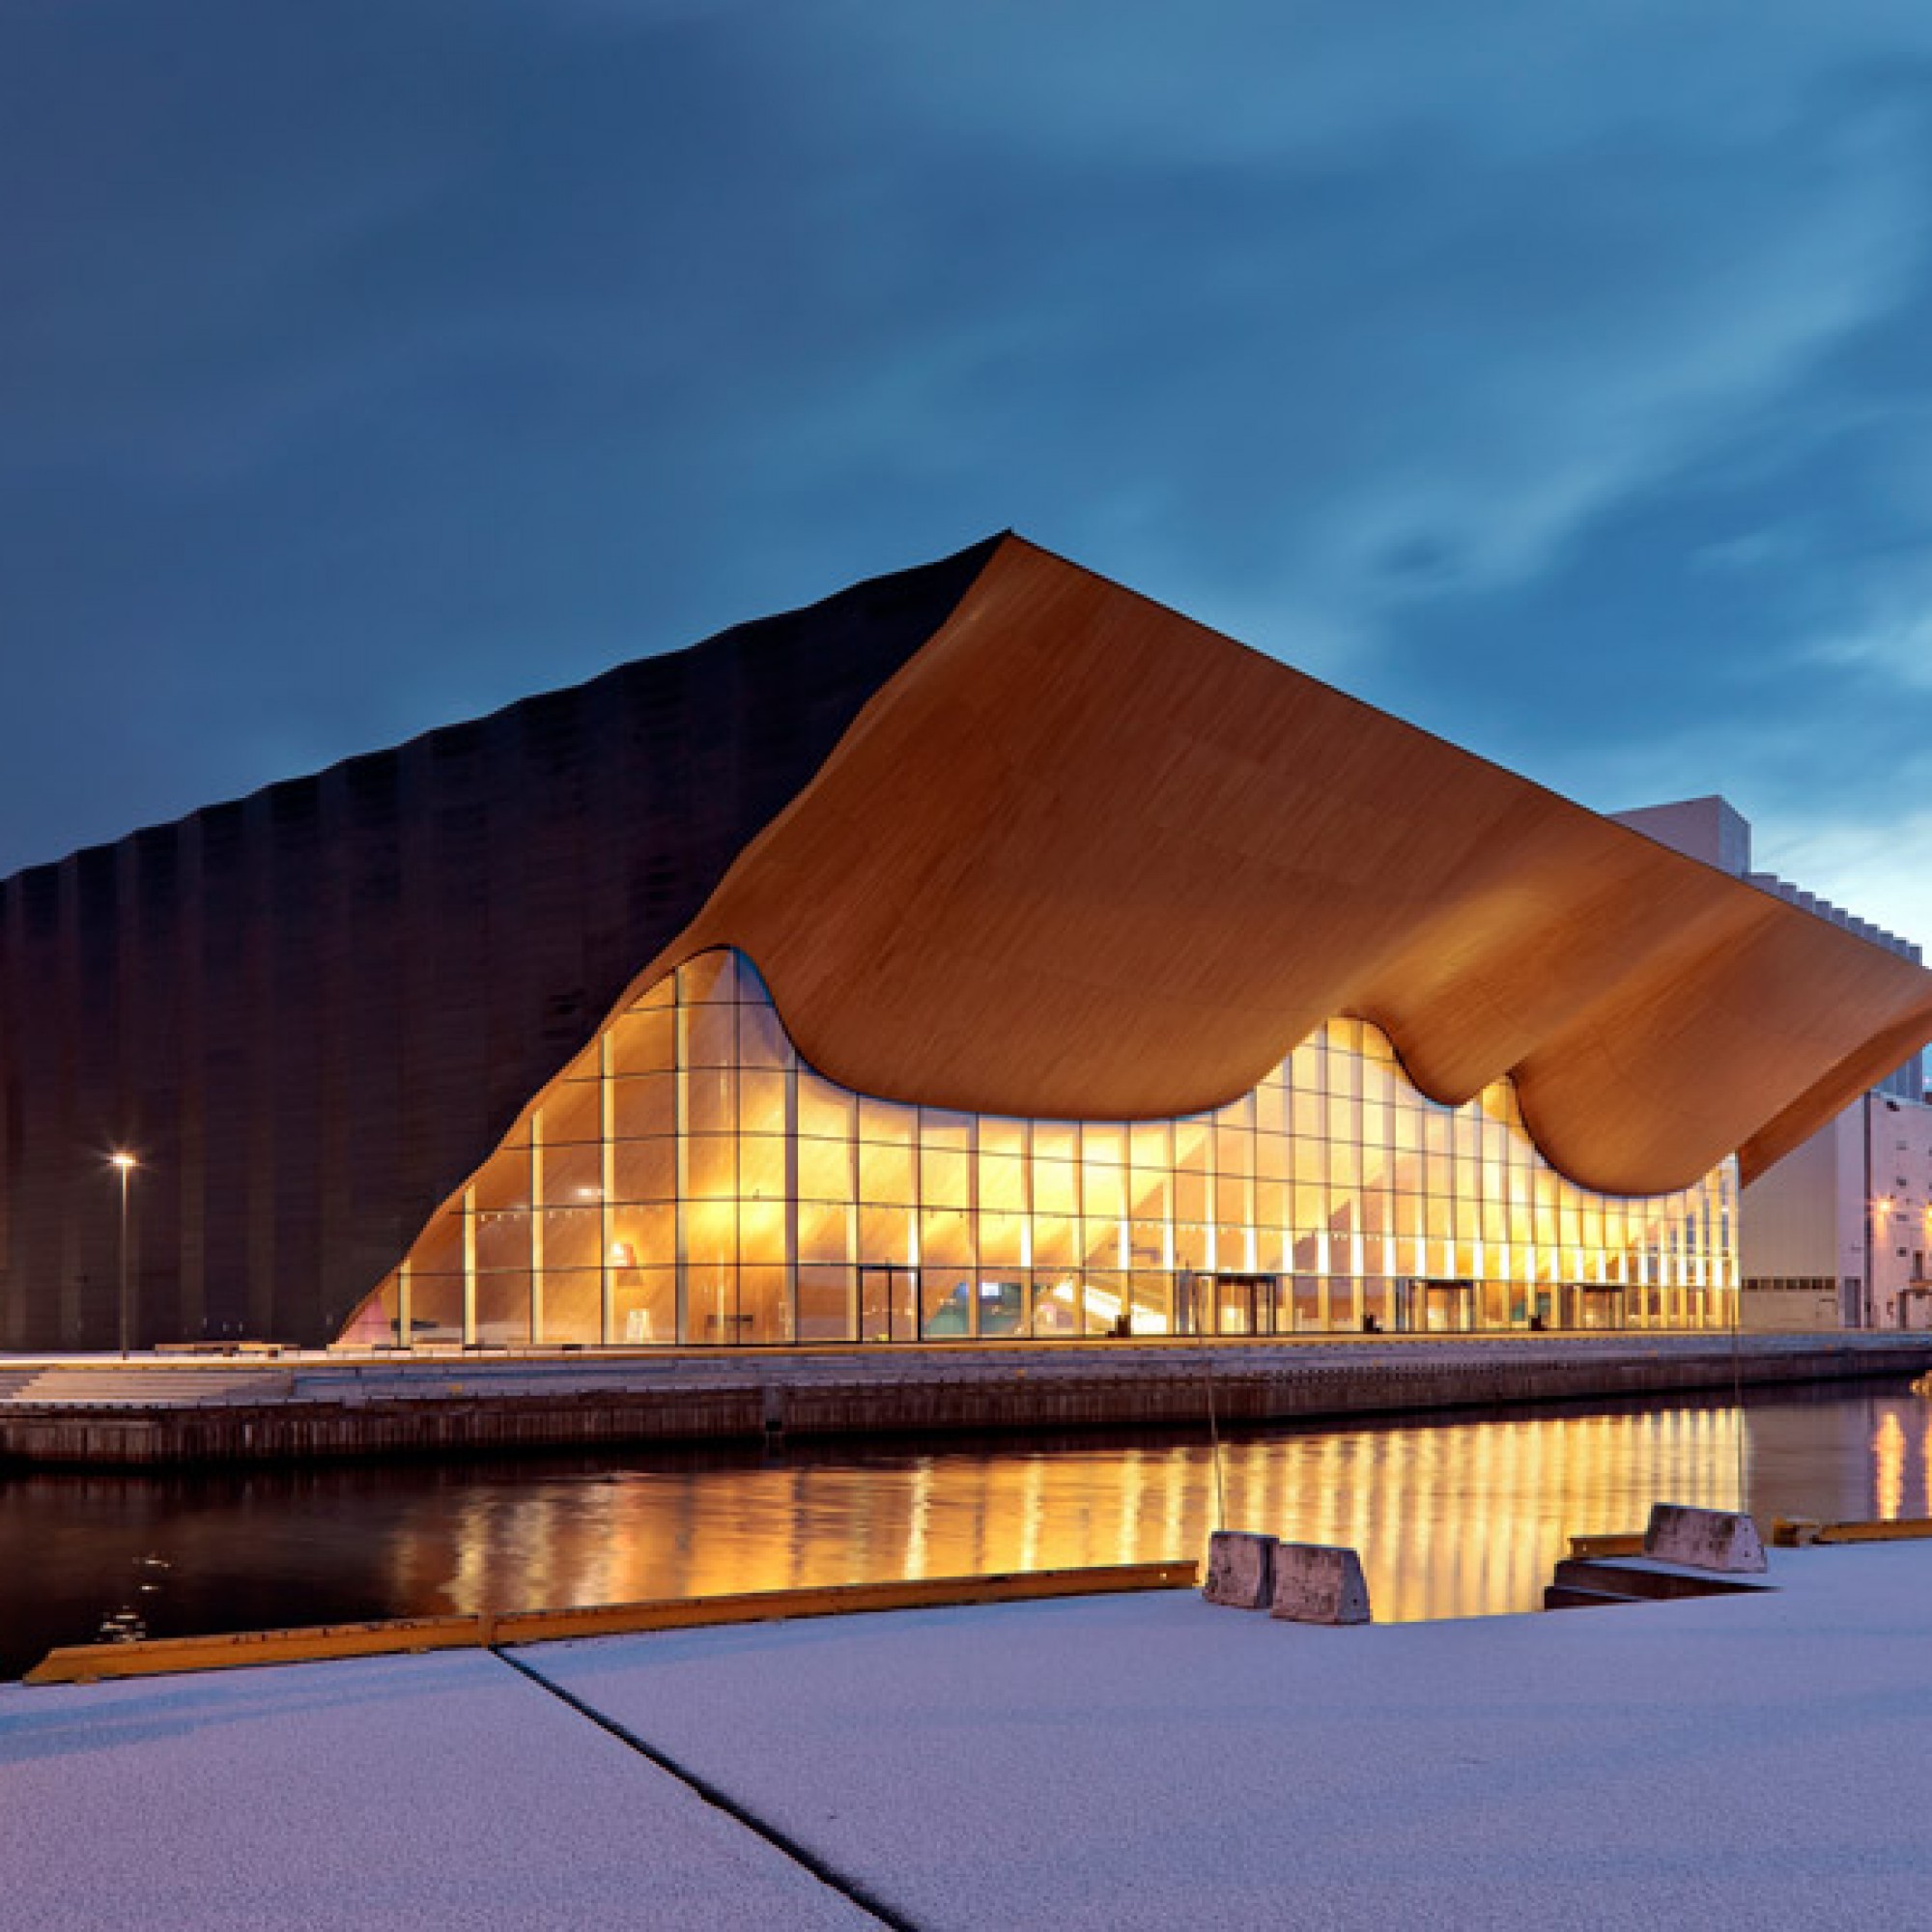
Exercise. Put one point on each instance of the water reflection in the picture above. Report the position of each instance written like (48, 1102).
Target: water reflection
(1453, 1519)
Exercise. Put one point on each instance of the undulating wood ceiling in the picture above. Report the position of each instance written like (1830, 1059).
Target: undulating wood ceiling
(1082, 857)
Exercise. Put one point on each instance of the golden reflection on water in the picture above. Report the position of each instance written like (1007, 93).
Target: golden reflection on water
(1452, 1520)
(1889, 1467)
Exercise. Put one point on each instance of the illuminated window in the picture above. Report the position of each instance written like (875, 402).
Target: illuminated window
(686, 1180)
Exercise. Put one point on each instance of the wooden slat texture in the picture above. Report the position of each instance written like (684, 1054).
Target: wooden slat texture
(1084, 858)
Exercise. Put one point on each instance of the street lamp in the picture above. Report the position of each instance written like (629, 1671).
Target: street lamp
(125, 1165)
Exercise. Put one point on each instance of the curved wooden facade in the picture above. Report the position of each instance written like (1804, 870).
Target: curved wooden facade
(1083, 858)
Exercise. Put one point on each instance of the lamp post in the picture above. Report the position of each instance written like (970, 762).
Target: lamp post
(125, 1165)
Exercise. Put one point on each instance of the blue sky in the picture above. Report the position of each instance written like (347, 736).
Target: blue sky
(1557, 378)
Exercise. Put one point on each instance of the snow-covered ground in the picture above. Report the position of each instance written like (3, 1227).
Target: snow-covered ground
(393, 1792)
(1104, 1763)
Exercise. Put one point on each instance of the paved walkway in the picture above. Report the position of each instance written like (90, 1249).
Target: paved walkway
(1754, 1762)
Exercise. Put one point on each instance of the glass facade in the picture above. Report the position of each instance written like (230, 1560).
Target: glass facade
(688, 1179)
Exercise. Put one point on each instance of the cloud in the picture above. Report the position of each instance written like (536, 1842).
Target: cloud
(1548, 375)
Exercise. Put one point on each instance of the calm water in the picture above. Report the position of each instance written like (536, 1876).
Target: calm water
(1453, 1519)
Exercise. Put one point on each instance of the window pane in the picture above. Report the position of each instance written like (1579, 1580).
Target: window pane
(944, 1132)
(885, 1173)
(710, 976)
(1056, 1305)
(711, 1304)
(708, 1036)
(435, 1307)
(764, 1305)
(945, 1303)
(1003, 1241)
(573, 1307)
(945, 1179)
(504, 1180)
(504, 1309)
(826, 1311)
(644, 1170)
(711, 1231)
(1056, 1187)
(1003, 1184)
(761, 1040)
(572, 1174)
(886, 1123)
(642, 1237)
(825, 1171)
(824, 1111)
(503, 1240)
(1105, 1191)
(885, 1233)
(711, 1166)
(572, 1237)
(644, 1042)
(761, 1233)
(644, 1105)
(1053, 1241)
(572, 1110)
(824, 1233)
(761, 1167)
(946, 1240)
(1001, 1306)
(761, 1103)
(643, 1305)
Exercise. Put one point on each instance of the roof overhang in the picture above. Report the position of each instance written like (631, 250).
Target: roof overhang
(1083, 858)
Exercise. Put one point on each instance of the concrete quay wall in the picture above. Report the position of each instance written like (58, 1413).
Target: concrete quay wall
(147, 1413)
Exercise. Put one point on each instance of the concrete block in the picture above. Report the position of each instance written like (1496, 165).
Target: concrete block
(1240, 1570)
(1315, 1583)
(1702, 1539)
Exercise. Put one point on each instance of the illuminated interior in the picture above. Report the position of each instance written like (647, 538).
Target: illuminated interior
(688, 1180)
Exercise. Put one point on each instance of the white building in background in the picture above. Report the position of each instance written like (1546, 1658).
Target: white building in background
(1838, 1233)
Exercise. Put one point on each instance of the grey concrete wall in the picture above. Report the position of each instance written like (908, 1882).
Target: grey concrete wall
(468, 1405)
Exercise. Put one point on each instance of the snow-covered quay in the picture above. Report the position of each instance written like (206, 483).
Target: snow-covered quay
(1145, 1761)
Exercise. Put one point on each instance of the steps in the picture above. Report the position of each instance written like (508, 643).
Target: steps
(142, 1387)
(1592, 1583)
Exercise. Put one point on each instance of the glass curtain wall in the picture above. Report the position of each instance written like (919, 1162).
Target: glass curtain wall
(688, 1180)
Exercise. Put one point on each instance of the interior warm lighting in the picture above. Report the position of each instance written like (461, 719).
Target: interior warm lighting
(123, 1161)
(717, 1190)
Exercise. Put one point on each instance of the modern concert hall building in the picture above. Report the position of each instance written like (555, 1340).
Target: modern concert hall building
(985, 953)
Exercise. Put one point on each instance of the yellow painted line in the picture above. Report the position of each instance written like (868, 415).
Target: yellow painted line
(1608, 1543)
(86, 1664)
(1793, 1532)
(153, 1657)
(840, 1599)
(1902, 1529)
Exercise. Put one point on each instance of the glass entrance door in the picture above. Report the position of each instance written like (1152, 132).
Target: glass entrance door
(888, 1305)
(1436, 1307)
(1245, 1304)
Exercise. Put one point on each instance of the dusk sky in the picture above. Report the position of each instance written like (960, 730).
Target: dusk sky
(1557, 378)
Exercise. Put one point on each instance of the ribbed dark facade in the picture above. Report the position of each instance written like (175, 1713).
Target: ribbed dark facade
(310, 1013)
